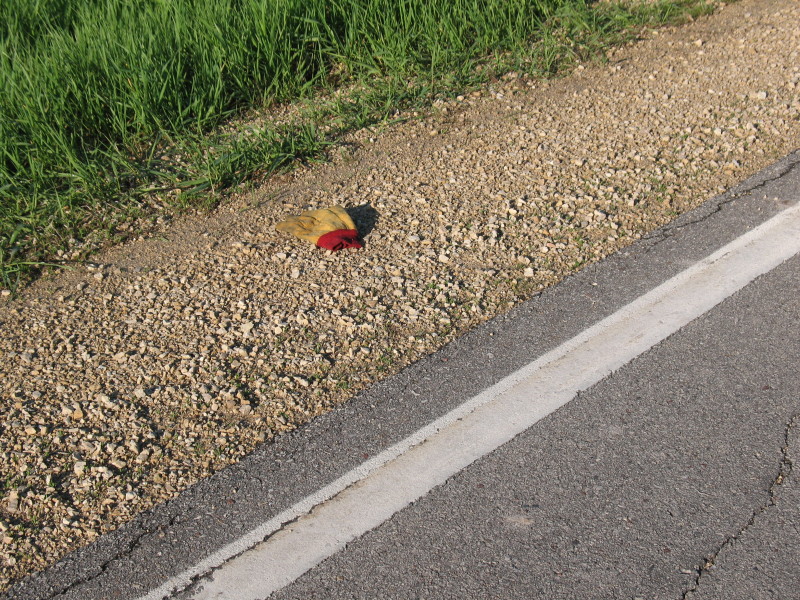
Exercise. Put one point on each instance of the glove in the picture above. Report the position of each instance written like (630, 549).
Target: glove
(329, 228)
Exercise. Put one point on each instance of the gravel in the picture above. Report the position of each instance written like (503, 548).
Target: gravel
(126, 380)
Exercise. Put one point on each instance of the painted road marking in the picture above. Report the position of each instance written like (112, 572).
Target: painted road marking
(273, 555)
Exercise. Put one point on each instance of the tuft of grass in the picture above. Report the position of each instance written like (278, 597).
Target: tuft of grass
(111, 110)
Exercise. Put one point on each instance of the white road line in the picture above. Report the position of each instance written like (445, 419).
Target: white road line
(273, 555)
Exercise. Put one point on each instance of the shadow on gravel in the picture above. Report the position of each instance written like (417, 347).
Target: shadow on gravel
(365, 218)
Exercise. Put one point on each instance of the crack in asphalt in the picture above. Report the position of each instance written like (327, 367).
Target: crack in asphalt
(669, 230)
(784, 471)
(127, 550)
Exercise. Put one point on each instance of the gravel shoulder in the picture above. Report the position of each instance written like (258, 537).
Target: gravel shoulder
(129, 379)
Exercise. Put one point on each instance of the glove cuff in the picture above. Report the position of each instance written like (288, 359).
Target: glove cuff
(338, 239)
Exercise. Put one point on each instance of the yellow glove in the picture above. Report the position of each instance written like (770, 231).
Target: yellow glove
(329, 228)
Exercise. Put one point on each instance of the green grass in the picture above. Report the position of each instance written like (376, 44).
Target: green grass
(109, 108)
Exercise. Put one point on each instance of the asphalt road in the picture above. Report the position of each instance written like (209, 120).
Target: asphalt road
(679, 461)
(670, 478)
